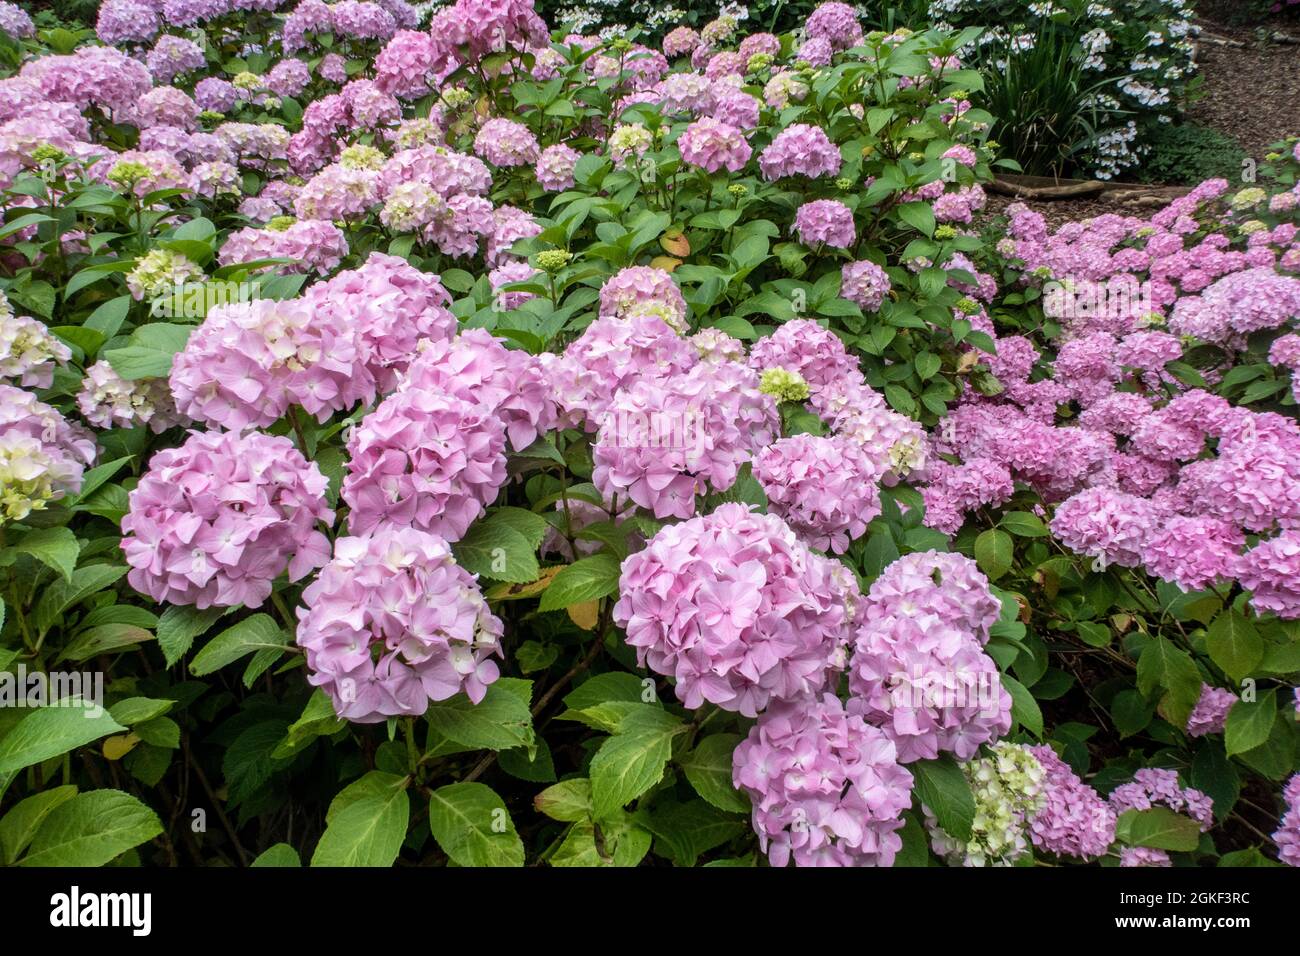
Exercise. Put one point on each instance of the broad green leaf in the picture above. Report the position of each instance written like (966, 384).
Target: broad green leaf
(500, 721)
(1159, 828)
(55, 547)
(256, 633)
(1165, 666)
(62, 595)
(473, 827)
(993, 553)
(1024, 525)
(91, 829)
(941, 786)
(627, 765)
(568, 800)
(20, 824)
(587, 579)
(366, 823)
(51, 731)
(178, 627)
(1250, 723)
(708, 768)
(1234, 644)
(1024, 708)
(497, 550)
(280, 855)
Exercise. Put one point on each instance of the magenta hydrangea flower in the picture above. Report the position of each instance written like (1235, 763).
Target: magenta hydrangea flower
(126, 21)
(393, 623)
(1193, 551)
(611, 353)
(837, 24)
(680, 41)
(408, 65)
(736, 610)
(1271, 572)
(863, 282)
(477, 367)
(1106, 524)
(392, 308)
(1133, 856)
(505, 143)
(663, 440)
(555, 167)
(1210, 715)
(1152, 786)
(635, 286)
(955, 490)
(217, 520)
(824, 488)
(1073, 820)
(816, 354)
(800, 150)
(816, 51)
(427, 460)
(1239, 303)
(249, 362)
(313, 245)
(712, 145)
(825, 221)
(826, 786)
(1287, 835)
(919, 670)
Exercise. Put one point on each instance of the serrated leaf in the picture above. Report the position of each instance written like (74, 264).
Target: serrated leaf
(1234, 644)
(91, 829)
(1250, 723)
(256, 633)
(500, 721)
(366, 823)
(1158, 828)
(473, 827)
(179, 626)
(708, 768)
(587, 579)
(941, 786)
(51, 731)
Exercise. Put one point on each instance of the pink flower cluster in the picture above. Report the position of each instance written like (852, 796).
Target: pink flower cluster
(1287, 835)
(1073, 820)
(313, 245)
(1152, 786)
(736, 610)
(824, 488)
(217, 520)
(919, 669)
(826, 786)
(1210, 715)
(825, 222)
(800, 150)
(712, 145)
(393, 623)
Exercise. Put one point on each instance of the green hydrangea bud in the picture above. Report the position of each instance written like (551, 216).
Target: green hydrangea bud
(966, 306)
(361, 156)
(127, 172)
(280, 223)
(738, 189)
(246, 81)
(1250, 196)
(1246, 228)
(945, 232)
(783, 385)
(45, 153)
(552, 261)
(759, 61)
(844, 183)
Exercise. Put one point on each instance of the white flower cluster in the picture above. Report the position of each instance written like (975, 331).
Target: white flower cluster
(1008, 787)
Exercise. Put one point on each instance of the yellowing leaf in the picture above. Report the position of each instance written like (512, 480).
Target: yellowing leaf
(674, 242)
(584, 614)
(667, 263)
(115, 748)
(514, 592)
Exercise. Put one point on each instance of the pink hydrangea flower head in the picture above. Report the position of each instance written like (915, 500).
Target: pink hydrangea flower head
(424, 459)
(826, 786)
(1106, 524)
(214, 522)
(393, 623)
(800, 150)
(863, 283)
(735, 609)
(824, 488)
(825, 222)
(713, 145)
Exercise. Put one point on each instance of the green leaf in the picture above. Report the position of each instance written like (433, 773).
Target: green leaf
(1162, 665)
(137, 710)
(500, 721)
(318, 720)
(256, 633)
(1250, 723)
(1159, 828)
(178, 627)
(993, 553)
(61, 595)
(366, 823)
(919, 216)
(91, 829)
(1024, 708)
(1234, 644)
(103, 639)
(688, 830)
(1131, 712)
(19, 825)
(280, 855)
(629, 764)
(610, 686)
(473, 827)
(587, 579)
(708, 768)
(498, 551)
(567, 801)
(941, 786)
(54, 547)
(51, 731)
(1024, 525)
